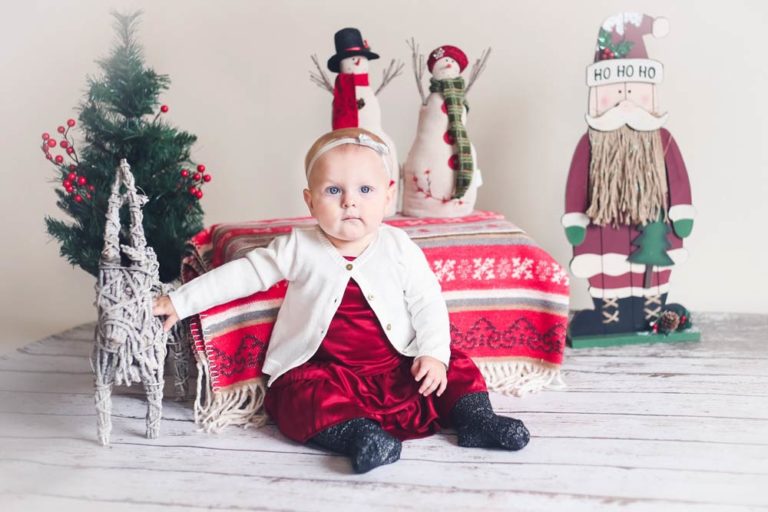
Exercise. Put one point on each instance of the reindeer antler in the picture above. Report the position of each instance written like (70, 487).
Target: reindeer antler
(417, 61)
(477, 68)
(319, 78)
(393, 70)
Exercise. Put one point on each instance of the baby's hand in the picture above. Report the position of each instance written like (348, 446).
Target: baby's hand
(164, 307)
(433, 373)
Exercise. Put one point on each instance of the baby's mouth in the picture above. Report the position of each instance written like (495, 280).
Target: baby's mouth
(350, 218)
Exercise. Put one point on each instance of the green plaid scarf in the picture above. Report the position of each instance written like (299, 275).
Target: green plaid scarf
(452, 90)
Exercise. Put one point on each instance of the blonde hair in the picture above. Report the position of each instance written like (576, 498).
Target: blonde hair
(357, 136)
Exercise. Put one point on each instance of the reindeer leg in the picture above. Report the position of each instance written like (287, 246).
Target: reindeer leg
(104, 379)
(153, 386)
(179, 354)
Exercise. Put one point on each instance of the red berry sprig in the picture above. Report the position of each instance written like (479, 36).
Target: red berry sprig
(74, 184)
(193, 181)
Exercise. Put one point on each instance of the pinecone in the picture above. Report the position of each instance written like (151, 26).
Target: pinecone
(668, 322)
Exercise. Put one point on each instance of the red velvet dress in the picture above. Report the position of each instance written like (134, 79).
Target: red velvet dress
(357, 373)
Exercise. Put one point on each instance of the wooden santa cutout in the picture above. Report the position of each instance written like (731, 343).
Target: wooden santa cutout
(628, 199)
(355, 104)
(441, 175)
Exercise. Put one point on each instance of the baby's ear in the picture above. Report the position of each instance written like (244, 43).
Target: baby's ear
(308, 199)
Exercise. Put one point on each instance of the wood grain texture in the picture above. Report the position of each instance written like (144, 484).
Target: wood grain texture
(676, 427)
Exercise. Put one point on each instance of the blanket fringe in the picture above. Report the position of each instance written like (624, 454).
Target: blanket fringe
(519, 377)
(242, 405)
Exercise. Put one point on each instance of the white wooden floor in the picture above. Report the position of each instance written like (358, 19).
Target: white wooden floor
(657, 427)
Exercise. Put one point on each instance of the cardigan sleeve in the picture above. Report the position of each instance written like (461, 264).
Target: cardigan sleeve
(257, 271)
(426, 305)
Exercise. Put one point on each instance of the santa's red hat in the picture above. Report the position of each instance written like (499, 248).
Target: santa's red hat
(620, 55)
(447, 51)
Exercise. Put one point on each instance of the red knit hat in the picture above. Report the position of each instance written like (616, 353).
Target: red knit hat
(447, 51)
(620, 55)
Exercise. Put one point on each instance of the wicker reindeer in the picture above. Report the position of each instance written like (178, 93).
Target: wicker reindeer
(130, 344)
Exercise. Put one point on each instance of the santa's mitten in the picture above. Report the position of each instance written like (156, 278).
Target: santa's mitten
(575, 224)
(682, 227)
(575, 235)
(682, 216)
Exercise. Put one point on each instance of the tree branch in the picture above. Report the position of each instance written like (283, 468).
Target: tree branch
(417, 62)
(477, 68)
(394, 69)
(319, 78)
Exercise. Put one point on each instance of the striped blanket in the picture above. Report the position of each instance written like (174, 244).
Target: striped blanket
(507, 301)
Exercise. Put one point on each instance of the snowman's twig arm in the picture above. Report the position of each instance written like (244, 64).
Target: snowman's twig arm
(394, 69)
(477, 68)
(319, 78)
(417, 62)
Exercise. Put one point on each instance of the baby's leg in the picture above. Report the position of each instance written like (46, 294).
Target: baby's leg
(363, 441)
(479, 426)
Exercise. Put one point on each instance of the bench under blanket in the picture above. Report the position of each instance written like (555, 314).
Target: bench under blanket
(507, 300)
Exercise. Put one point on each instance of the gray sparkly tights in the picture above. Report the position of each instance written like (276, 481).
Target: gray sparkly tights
(479, 426)
(363, 441)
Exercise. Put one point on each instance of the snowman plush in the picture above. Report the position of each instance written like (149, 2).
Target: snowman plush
(441, 176)
(355, 104)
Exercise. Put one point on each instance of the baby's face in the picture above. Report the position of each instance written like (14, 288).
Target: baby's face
(349, 189)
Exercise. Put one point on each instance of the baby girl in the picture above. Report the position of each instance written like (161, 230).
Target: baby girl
(360, 356)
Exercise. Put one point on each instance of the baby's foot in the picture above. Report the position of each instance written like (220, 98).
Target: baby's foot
(363, 440)
(479, 426)
(494, 432)
(374, 449)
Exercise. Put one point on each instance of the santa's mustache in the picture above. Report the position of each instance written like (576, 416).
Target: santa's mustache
(626, 113)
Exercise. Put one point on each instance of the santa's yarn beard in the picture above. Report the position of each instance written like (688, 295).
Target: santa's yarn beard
(627, 177)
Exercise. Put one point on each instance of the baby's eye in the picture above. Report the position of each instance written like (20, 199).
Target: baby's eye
(333, 190)
(365, 189)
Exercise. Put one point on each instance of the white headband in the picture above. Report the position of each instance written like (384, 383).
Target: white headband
(360, 140)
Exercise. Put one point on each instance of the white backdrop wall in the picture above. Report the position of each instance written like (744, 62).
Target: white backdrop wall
(240, 82)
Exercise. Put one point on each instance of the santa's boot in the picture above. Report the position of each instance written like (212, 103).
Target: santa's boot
(623, 321)
(610, 316)
(362, 440)
(479, 427)
(647, 310)
(587, 322)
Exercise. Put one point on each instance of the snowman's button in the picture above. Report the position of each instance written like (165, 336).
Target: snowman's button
(444, 108)
(448, 138)
(453, 162)
(349, 266)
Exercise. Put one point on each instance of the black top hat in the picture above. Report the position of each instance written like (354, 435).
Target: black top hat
(349, 42)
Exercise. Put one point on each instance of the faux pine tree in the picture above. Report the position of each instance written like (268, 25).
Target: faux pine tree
(652, 246)
(121, 117)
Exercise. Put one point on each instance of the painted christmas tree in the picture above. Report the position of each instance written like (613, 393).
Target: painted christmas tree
(121, 117)
(652, 248)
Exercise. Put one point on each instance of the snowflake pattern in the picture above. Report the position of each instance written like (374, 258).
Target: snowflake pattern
(444, 270)
(504, 268)
(522, 268)
(465, 269)
(484, 269)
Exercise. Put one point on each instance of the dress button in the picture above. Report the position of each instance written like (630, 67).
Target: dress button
(389, 327)
(448, 138)
(370, 297)
(444, 108)
(453, 162)
(349, 266)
